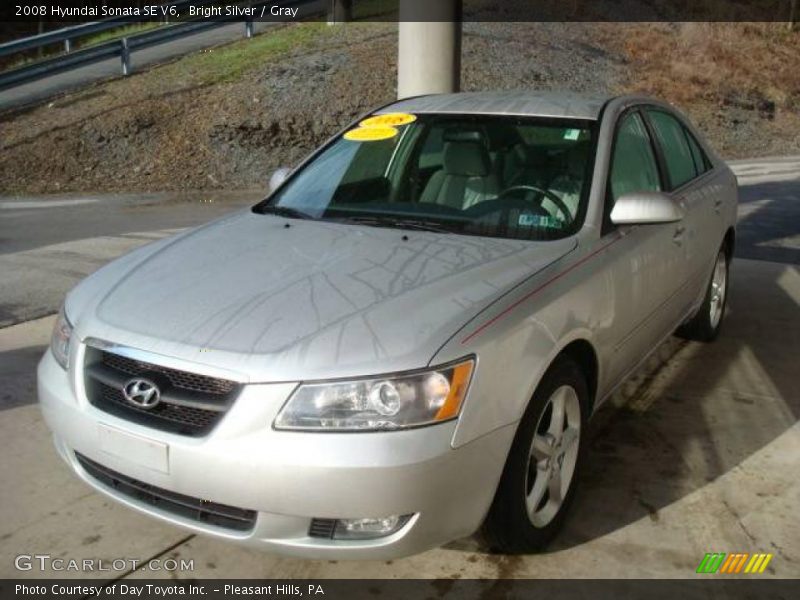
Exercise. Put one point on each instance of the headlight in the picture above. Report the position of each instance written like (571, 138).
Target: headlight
(392, 402)
(59, 343)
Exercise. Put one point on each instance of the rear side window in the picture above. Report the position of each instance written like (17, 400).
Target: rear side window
(700, 161)
(672, 139)
(633, 167)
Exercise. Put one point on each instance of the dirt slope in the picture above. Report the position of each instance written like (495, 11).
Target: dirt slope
(227, 117)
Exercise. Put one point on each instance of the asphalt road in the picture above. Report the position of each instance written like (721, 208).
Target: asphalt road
(48, 244)
(42, 89)
(769, 209)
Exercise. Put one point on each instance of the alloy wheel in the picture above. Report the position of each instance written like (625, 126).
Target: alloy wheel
(553, 456)
(718, 290)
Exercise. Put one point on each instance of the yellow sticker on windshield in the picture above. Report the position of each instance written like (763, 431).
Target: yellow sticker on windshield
(370, 134)
(388, 120)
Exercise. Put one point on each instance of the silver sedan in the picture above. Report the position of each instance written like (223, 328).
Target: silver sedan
(404, 342)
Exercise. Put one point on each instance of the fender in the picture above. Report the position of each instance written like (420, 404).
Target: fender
(519, 338)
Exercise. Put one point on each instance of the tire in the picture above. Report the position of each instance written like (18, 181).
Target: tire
(707, 323)
(509, 527)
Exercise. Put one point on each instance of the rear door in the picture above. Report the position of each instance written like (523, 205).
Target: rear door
(689, 181)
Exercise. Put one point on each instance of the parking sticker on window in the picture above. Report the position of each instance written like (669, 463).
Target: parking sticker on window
(388, 120)
(572, 134)
(530, 220)
(370, 134)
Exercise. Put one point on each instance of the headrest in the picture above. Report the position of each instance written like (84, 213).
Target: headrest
(536, 156)
(469, 159)
(530, 156)
(502, 138)
(464, 135)
(576, 161)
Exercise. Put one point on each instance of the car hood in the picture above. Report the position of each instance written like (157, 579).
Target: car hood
(273, 299)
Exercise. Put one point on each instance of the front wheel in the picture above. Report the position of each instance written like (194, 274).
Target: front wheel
(538, 481)
(706, 324)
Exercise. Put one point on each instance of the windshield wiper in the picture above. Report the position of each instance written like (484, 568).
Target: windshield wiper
(398, 222)
(284, 211)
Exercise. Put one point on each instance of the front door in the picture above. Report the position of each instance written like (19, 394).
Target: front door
(648, 261)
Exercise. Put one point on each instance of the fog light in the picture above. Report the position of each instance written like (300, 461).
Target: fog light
(357, 529)
(367, 529)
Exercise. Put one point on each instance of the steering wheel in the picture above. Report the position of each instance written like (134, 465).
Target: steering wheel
(543, 193)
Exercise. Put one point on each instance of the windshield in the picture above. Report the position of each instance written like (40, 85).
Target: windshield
(511, 177)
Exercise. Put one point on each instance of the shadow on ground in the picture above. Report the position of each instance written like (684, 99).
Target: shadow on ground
(697, 412)
(19, 367)
(770, 225)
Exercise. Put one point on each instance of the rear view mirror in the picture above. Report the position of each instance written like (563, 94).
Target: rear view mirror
(640, 208)
(278, 177)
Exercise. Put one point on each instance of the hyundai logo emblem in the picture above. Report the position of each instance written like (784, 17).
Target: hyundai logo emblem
(142, 393)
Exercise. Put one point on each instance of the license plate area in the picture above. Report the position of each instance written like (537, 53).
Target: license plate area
(135, 449)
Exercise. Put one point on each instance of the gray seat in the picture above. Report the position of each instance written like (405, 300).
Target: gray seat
(466, 177)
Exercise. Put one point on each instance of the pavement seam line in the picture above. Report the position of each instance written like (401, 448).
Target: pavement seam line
(144, 562)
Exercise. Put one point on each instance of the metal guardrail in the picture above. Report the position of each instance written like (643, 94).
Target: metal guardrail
(122, 47)
(67, 34)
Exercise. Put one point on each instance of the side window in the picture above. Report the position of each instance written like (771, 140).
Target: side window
(671, 137)
(700, 160)
(633, 166)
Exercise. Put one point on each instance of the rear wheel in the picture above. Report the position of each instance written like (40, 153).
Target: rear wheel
(538, 482)
(706, 324)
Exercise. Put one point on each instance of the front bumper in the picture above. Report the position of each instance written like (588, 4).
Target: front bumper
(289, 478)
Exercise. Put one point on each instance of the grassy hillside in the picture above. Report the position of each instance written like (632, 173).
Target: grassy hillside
(225, 117)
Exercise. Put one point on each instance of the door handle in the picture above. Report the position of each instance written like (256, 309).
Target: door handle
(678, 236)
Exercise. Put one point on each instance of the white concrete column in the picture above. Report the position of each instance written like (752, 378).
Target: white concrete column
(429, 48)
(340, 11)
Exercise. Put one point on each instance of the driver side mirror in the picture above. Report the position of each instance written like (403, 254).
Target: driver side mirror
(278, 177)
(641, 208)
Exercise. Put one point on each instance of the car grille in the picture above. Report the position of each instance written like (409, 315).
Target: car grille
(181, 419)
(191, 404)
(201, 511)
(180, 379)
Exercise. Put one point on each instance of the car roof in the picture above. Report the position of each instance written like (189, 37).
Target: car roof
(519, 103)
